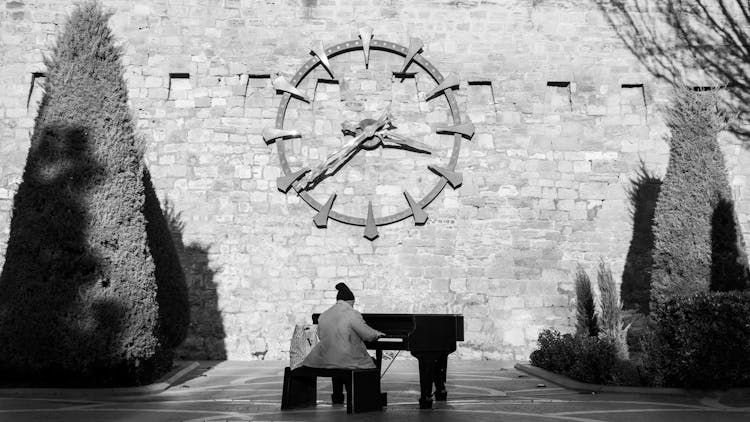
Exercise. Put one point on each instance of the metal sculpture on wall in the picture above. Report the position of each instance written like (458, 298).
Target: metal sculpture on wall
(367, 134)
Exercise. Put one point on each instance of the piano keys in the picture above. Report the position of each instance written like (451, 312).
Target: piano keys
(428, 337)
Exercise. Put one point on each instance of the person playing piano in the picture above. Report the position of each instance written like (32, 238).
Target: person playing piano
(342, 332)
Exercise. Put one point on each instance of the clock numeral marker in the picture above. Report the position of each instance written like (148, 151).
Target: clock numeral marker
(371, 229)
(454, 179)
(271, 134)
(365, 34)
(321, 218)
(466, 129)
(282, 84)
(420, 217)
(415, 46)
(318, 49)
(449, 82)
(284, 183)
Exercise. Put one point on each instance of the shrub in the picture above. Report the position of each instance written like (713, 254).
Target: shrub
(78, 295)
(611, 326)
(555, 352)
(583, 358)
(694, 189)
(701, 341)
(586, 324)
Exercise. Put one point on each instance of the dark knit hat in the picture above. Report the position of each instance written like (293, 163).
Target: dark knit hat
(344, 292)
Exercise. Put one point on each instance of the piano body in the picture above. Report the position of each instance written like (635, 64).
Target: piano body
(429, 337)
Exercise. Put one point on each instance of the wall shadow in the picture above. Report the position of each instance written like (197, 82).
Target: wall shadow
(729, 266)
(205, 335)
(676, 38)
(171, 288)
(635, 290)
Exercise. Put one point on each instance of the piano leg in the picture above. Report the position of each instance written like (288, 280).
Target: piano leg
(441, 370)
(427, 377)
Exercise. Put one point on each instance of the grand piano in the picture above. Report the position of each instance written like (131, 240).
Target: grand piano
(429, 337)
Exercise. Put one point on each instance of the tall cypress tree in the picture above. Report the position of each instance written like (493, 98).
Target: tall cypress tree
(78, 294)
(694, 192)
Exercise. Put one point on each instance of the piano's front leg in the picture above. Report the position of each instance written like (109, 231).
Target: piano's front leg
(427, 376)
(441, 371)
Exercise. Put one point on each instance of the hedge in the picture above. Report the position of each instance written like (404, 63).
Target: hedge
(78, 292)
(702, 341)
(694, 211)
(583, 358)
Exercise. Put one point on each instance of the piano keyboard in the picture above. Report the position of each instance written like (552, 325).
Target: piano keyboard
(390, 340)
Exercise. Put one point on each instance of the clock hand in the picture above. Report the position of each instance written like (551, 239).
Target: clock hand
(401, 140)
(335, 160)
(332, 161)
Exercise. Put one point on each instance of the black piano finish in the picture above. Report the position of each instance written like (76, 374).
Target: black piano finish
(429, 337)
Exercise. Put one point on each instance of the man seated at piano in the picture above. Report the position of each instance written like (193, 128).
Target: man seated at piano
(342, 332)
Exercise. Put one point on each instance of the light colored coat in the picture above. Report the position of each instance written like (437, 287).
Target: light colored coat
(342, 331)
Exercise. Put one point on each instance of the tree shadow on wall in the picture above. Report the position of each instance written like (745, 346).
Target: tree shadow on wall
(729, 266)
(205, 334)
(171, 288)
(635, 289)
(674, 37)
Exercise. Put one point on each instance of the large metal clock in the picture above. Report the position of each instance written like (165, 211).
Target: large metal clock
(370, 131)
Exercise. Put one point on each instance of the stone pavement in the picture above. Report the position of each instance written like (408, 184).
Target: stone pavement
(478, 391)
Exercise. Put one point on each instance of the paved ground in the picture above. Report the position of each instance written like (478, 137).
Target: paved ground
(478, 391)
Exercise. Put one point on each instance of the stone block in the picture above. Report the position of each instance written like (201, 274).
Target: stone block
(582, 166)
(593, 190)
(564, 193)
(565, 143)
(514, 336)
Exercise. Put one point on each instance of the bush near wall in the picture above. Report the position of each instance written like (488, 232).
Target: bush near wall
(583, 358)
(697, 242)
(702, 341)
(78, 294)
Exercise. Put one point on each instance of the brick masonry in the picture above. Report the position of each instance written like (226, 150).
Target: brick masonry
(545, 176)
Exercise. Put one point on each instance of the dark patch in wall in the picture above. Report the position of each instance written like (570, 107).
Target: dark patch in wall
(390, 9)
(309, 5)
(562, 89)
(464, 4)
(592, 212)
(14, 5)
(173, 76)
(37, 80)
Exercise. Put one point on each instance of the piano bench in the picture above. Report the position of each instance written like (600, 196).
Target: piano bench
(300, 388)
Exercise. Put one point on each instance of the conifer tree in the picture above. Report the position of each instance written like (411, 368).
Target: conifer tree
(586, 324)
(695, 189)
(611, 326)
(78, 295)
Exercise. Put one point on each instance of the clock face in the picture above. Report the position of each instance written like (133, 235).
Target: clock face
(368, 133)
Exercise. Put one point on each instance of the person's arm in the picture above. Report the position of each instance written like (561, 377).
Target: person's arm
(364, 331)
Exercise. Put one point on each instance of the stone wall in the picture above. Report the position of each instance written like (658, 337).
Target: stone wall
(564, 114)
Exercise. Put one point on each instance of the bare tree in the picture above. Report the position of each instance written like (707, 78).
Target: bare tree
(676, 39)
